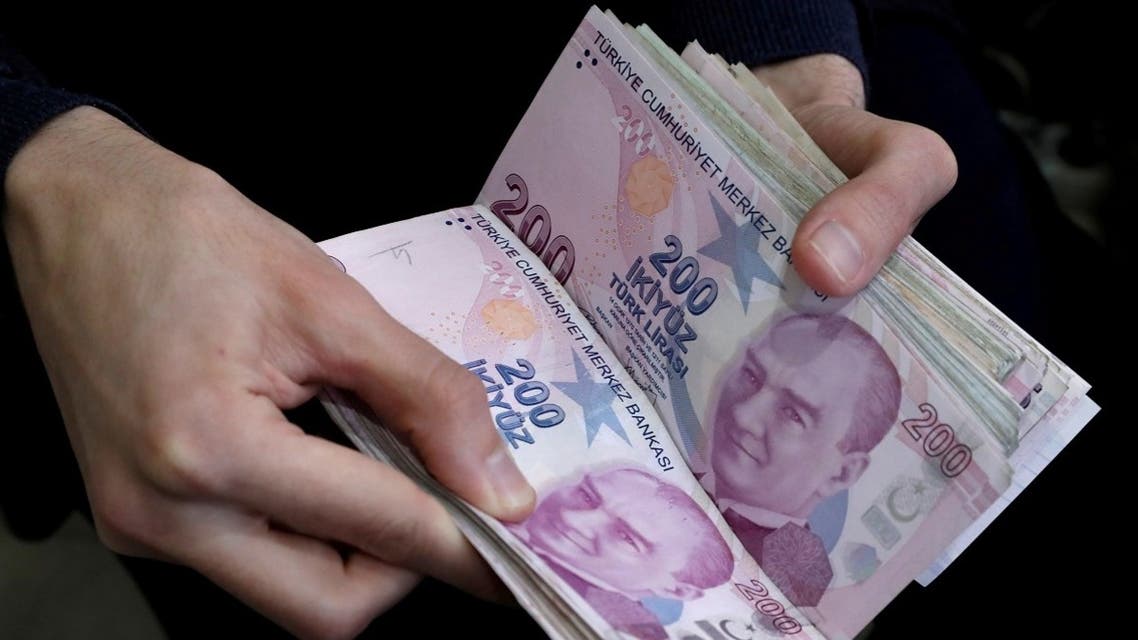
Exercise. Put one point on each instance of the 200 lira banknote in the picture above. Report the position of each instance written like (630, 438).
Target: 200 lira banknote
(719, 450)
(623, 539)
(798, 412)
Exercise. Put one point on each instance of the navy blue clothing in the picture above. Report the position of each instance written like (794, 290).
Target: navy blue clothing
(28, 101)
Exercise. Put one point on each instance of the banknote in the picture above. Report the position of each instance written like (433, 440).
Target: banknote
(773, 126)
(719, 451)
(997, 412)
(623, 542)
(1052, 396)
(969, 324)
(1030, 374)
(806, 418)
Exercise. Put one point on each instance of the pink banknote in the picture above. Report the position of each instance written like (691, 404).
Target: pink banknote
(1052, 397)
(623, 534)
(841, 463)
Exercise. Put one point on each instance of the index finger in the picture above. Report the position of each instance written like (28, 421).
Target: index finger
(330, 492)
(431, 401)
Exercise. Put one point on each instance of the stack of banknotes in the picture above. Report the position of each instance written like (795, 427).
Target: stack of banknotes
(719, 451)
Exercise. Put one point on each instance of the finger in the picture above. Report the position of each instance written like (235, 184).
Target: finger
(899, 171)
(327, 491)
(303, 584)
(434, 403)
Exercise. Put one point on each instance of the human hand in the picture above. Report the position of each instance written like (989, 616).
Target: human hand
(897, 170)
(176, 319)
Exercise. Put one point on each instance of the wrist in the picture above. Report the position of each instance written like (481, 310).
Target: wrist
(82, 170)
(82, 183)
(65, 157)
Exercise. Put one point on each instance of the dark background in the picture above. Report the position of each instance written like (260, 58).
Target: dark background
(335, 121)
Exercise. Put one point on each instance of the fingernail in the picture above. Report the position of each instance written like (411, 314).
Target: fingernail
(839, 248)
(510, 487)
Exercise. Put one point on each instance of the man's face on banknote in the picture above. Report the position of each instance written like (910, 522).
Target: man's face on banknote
(616, 529)
(784, 409)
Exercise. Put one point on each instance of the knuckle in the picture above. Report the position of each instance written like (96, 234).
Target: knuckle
(351, 329)
(180, 456)
(115, 528)
(448, 381)
(455, 395)
(945, 162)
(334, 617)
(458, 403)
(932, 152)
(402, 539)
(121, 523)
(313, 287)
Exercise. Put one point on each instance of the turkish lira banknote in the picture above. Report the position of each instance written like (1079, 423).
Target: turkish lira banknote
(1052, 397)
(719, 450)
(797, 411)
(623, 539)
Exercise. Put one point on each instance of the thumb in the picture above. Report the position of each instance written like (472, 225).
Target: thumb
(432, 402)
(899, 170)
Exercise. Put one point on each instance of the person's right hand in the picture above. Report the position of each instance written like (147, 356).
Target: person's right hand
(176, 319)
(898, 171)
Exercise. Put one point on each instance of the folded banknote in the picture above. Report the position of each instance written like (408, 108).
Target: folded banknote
(719, 451)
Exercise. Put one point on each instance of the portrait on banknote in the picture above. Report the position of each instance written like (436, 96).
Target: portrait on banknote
(622, 536)
(799, 411)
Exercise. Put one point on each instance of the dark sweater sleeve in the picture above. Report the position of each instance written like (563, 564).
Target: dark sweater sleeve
(755, 32)
(27, 102)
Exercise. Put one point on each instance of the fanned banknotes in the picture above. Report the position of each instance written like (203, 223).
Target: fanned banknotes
(718, 450)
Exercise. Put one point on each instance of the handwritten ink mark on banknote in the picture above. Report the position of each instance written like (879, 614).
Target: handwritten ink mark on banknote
(396, 252)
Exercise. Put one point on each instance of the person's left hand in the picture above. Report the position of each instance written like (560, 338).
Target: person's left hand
(176, 320)
(897, 171)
